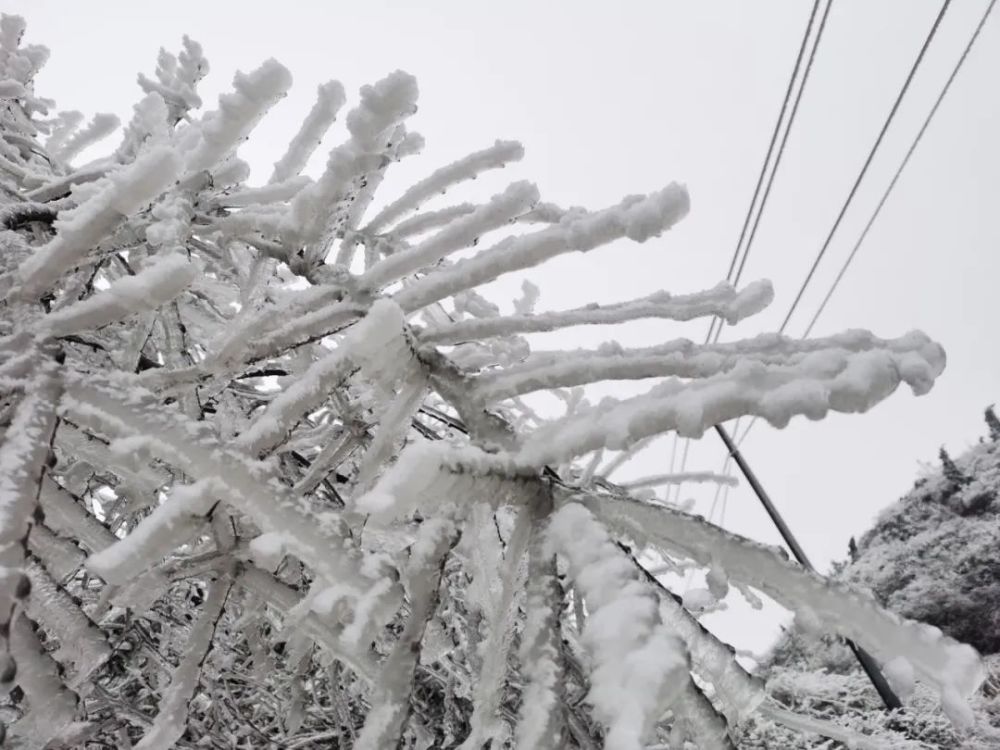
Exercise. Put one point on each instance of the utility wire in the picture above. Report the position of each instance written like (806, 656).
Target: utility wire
(869, 665)
(768, 175)
(902, 166)
(770, 147)
(885, 196)
(781, 147)
(868, 161)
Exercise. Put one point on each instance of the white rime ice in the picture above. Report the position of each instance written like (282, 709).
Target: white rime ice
(383, 106)
(77, 231)
(954, 668)
(153, 286)
(467, 168)
(639, 218)
(273, 471)
(462, 232)
(539, 723)
(680, 478)
(811, 385)
(330, 97)
(639, 667)
(220, 132)
(723, 301)
(170, 525)
(101, 126)
(384, 724)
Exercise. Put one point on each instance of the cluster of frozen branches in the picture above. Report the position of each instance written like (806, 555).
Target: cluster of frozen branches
(268, 477)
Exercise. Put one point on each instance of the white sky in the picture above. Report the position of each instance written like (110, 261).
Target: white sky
(618, 98)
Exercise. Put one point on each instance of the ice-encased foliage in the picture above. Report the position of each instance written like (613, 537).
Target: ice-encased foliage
(268, 476)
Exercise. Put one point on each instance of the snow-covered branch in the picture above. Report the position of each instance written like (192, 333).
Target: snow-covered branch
(467, 168)
(236, 459)
(723, 301)
(640, 669)
(638, 218)
(330, 97)
(952, 667)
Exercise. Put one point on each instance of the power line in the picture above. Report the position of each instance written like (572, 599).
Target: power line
(713, 331)
(869, 665)
(770, 146)
(892, 184)
(889, 698)
(867, 164)
(781, 148)
(902, 166)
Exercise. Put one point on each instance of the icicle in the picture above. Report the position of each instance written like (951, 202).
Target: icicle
(171, 720)
(699, 720)
(158, 283)
(145, 479)
(638, 218)
(60, 556)
(850, 739)
(639, 668)
(391, 705)
(723, 300)
(330, 98)
(739, 692)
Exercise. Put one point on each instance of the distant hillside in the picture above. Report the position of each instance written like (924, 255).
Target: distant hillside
(933, 556)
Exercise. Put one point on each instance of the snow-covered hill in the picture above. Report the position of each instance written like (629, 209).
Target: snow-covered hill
(933, 556)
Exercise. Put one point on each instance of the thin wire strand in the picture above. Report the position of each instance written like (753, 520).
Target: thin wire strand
(868, 161)
(781, 147)
(902, 166)
(892, 184)
(770, 150)
(716, 323)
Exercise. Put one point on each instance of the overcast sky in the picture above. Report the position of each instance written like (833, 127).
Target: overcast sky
(613, 98)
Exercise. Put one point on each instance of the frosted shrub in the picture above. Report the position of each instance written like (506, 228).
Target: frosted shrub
(269, 477)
